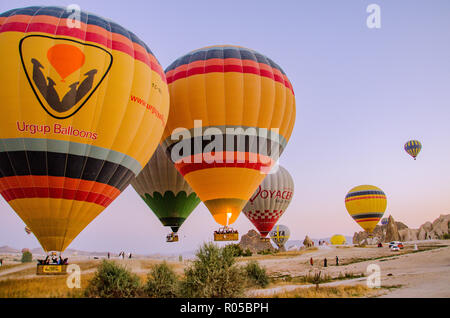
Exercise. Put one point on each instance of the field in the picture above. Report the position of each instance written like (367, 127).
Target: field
(409, 273)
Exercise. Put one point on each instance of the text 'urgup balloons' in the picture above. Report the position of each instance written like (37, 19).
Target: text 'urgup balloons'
(80, 117)
(232, 113)
(413, 148)
(366, 205)
(270, 200)
(165, 191)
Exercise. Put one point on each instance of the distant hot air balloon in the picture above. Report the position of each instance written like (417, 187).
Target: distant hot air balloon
(366, 205)
(237, 108)
(83, 109)
(384, 221)
(27, 230)
(166, 192)
(270, 200)
(413, 148)
(338, 239)
(280, 235)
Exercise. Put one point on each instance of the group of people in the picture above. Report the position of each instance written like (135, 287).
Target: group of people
(325, 261)
(226, 230)
(53, 261)
(122, 254)
(322, 243)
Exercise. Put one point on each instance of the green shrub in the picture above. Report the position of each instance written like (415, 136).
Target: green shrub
(162, 282)
(256, 274)
(213, 273)
(266, 252)
(113, 281)
(27, 257)
(234, 249)
(247, 252)
(446, 236)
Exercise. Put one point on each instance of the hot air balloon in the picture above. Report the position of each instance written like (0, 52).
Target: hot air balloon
(27, 230)
(83, 109)
(338, 239)
(384, 221)
(280, 235)
(270, 201)
(166, 192)
(413, 148)
(366, 205)
(232, 111)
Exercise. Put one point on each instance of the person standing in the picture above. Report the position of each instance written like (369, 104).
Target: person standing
(311, 261)
(337, 261)
(325, 262)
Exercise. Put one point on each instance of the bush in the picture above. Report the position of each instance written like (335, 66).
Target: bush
(161, 282)
(267, 252)
(446, 236)
(256, 274)
(247, 252)
(27, 257)
(113, 281)
(213, 274)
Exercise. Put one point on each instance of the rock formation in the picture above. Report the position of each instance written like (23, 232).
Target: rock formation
(252, 241)
(307, 242)
(398, 231)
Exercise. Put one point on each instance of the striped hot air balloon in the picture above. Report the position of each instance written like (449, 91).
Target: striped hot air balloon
(413, 148)
(280, 235)
(165, 191)
(83, 107)
(366, 205)
(238, 109)
(270, 200)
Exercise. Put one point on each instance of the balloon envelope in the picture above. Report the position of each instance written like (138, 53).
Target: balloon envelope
(165, 191)
(413, 148)
(338, 239)
(270, 200)
(366, 205)
(80, 117)
(280, 235)
(238, 110)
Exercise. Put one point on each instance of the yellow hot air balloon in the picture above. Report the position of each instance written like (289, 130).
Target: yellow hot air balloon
(232, 111)
(338, 239)
(83, 107)
(366, 205)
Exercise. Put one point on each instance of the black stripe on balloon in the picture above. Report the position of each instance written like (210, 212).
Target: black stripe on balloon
(230, 142)
(368, 192)
(40, 163)
(367, 215)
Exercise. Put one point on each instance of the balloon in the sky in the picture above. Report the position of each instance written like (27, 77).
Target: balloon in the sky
(384, 221)
(27, 230)
(413, 148)
(338, 239)
(270, 200)
(238, 110)
(366, 205)
(84, 103)
(280, 235)
(165, 191)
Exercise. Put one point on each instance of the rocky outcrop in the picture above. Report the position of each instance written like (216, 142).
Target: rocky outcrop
(391, 231)
(307, 242)
(398, 231)
(252, 241)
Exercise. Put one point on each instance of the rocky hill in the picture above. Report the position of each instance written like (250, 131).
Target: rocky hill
(398, 231)
(252, 241)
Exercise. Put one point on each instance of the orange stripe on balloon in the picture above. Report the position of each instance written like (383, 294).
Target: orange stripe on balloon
(365, 197)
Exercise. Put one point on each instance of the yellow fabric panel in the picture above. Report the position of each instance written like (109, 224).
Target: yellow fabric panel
(221, 183)
(56, 228)
(108, 112)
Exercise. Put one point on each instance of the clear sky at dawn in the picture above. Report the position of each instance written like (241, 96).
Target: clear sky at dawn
(361, 93)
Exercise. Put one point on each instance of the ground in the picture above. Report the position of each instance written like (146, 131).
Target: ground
(424, 272)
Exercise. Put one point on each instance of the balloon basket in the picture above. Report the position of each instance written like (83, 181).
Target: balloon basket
(226, 234)
(51, 269)
(264, 239)
(172, 238)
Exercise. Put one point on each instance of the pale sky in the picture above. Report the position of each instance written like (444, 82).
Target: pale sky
(361, 94)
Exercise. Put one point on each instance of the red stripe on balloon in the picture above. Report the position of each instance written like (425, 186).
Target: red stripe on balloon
(57, 193)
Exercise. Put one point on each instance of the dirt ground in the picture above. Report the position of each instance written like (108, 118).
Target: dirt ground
(409, 273)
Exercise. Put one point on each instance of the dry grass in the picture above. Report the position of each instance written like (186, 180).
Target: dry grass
(327, 292)
(41, 287)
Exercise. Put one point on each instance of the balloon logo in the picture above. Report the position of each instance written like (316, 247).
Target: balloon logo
(66, 59)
